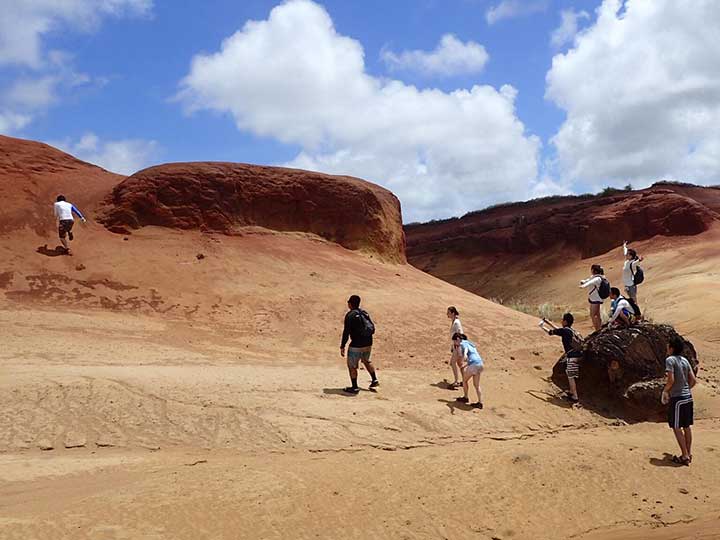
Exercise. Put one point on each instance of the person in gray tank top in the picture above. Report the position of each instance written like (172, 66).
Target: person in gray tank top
(677, 395)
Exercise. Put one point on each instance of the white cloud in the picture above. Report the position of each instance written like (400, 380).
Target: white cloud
(510, 9)
(568, 29)
(641, 89)
(24, 23)
(450, 57)
(122, 156)
(10, 122)
(292, 77)
(31, 93)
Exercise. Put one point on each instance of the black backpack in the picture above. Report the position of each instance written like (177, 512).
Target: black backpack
(638, 276)
(636, 308)
(604, 289)
(368, 327)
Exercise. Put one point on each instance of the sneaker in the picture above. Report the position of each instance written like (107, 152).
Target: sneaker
(462, 399)
(351, 390)
(375, 384)
(478, 405)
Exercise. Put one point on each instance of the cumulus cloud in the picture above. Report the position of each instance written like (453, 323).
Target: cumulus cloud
(293, 78)
(568, 29)
(510, 9)
(120, 156)
(11, 122)
(450, 57)
(24, 23)
(641, 91)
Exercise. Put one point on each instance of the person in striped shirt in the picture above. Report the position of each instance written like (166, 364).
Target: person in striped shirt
(678, 396)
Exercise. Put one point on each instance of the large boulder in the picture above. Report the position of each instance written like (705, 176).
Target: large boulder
(223, 197)
(623, 370)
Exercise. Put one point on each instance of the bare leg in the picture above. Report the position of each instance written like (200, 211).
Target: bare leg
(64, 243)
(688, 441)
(595, 316)
(573, 387)
(476, 382)
(353, 373)
(680, 436)
(455, 368)
(370, 369)
(466, 379)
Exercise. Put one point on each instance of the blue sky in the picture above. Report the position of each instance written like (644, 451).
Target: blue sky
(113, 93)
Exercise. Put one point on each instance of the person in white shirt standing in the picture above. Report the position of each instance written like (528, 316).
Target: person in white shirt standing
(630, 270)
(599, 290)
(455, 356)
(64, 213)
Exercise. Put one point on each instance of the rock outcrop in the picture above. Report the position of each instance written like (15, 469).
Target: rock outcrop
(590, 225)
(222, 197)
(32, 174)
(624, 369)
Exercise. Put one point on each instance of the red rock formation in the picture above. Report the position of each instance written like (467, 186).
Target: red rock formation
(32, 174)
(590, 225)
(223, 196)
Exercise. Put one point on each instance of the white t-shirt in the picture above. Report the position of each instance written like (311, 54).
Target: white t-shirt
(594, 284)
(64, 210)
(456, 328)
(622, 304)
(629, 268)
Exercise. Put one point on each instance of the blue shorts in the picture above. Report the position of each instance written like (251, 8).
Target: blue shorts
(357, 354)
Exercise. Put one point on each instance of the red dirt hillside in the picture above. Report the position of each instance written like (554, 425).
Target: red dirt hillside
(590, 225)
(33, 174)
(221, 197)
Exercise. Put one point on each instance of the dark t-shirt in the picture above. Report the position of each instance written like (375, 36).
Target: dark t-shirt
(566, 334)
(353, 328)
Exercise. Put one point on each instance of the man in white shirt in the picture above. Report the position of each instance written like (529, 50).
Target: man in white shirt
(630, 267)
(64, 213)
(623, 310)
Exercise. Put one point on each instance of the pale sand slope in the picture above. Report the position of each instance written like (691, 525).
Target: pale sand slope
(221, 418)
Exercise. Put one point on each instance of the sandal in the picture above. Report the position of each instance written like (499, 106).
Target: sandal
(477, 405)
(681, 460)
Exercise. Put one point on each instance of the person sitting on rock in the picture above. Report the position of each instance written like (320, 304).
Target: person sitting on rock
(630, 267)
(472, 367)
(597, 283)
(64, 213)
(678, 396)
(572, 343)
(623, 314)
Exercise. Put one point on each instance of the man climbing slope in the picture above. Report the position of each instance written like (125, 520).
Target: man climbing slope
(64, 213)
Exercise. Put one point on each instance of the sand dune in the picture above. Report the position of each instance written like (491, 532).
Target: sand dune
(146, 392)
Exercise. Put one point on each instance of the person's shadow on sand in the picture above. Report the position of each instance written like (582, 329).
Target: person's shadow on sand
(456, 405)
(444, 384)
(45, 250)
(666, 461)
(550, 398)
(341, 392)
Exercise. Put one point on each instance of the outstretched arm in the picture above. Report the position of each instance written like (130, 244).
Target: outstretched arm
(78, 213)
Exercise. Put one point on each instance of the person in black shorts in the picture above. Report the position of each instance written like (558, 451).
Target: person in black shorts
(359, 328)
(678, 396)
(572, 343)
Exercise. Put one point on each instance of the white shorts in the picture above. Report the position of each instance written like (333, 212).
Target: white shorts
(474, 369)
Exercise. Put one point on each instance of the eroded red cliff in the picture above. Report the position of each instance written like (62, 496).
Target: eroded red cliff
(222, 197)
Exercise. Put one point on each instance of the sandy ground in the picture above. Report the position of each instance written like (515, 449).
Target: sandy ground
(148, 394)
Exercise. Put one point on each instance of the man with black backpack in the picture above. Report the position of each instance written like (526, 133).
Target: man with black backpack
(359, 328)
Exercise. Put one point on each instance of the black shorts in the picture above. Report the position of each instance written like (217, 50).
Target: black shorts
(680, 412)
(65, 226)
